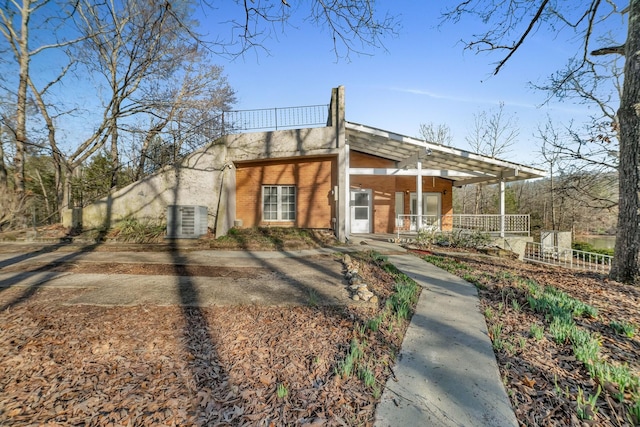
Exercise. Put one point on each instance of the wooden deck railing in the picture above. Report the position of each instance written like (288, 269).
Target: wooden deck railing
(490, 224)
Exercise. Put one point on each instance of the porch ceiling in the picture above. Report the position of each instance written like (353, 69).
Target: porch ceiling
(406, 151)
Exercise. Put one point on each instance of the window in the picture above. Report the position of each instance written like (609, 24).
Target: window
(278, 203)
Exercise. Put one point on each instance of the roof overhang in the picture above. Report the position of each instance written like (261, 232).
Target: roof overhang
(407, 151)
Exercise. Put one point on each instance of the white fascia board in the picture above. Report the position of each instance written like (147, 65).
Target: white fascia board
(384, 134)
(410, 172)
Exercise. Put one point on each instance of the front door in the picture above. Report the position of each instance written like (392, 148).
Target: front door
(430, 211)
(361, 211)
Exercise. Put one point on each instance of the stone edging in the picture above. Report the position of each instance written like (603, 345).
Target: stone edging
(359, 289)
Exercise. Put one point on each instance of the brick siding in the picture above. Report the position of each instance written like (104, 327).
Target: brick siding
(314, 179)
(385, 187)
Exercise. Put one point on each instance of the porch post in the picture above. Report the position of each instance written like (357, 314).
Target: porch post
(347, 195)
(502, 207)
(419, 196)
(342, 193)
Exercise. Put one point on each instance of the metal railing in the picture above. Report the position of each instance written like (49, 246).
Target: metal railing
(566, 257)
(235, 121)
(275, 118)
(490, 224)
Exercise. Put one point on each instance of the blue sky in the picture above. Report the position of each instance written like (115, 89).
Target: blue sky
(423, 76)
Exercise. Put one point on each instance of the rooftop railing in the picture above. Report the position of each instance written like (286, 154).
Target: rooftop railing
(236, 121)
(266, 119)
(275, 118)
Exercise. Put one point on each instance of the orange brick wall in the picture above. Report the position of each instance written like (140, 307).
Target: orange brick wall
(385, 187)
(361, 160)
(314, 179)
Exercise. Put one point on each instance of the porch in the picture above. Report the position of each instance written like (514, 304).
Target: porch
(399, 184)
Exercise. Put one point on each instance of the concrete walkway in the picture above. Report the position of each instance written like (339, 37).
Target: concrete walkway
(446, 373)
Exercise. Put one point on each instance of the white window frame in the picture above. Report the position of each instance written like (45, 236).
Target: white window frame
(280, 211)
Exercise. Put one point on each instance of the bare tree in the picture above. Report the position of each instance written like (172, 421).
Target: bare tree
(6, 199)
(492, 134)
(16, 27)
(134, 48)
(197, 101)
(354, 26)
(130, 44)
(550, 153)
(514, 22)
(6, 138)
(60, 163)
(574, 184)
(440, 134)
(588, 156)
(137, 46)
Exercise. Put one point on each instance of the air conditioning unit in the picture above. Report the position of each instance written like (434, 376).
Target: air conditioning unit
(186, 222)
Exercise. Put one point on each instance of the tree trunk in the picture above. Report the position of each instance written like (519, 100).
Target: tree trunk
(145, 147)
(45, 196)
(66, 189)
(56, 155)
(21, 118)
(478, 201)
(625, 262)
(552, 195)
(4, 183)
(115, 161)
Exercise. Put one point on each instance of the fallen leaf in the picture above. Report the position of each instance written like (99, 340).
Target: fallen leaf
(529, 382)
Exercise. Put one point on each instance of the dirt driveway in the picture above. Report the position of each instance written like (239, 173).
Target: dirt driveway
(196, 278)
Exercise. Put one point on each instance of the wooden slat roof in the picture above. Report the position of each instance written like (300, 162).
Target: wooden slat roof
(406, 150)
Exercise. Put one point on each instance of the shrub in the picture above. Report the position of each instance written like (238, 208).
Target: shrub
(457, 239)
(137, 231)
(588, 247)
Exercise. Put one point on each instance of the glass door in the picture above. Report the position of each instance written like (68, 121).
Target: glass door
(361, 211)
(430, 211)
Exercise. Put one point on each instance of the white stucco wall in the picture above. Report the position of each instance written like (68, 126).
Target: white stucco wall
(196, 182)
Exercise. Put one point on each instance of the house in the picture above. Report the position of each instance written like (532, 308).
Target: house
(343, 176)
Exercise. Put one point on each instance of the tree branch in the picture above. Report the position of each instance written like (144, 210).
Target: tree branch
(515, 47)
(619, 50)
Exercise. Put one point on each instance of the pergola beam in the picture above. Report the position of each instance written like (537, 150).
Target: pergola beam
(442, 173)
(409, 161)
(475, 180)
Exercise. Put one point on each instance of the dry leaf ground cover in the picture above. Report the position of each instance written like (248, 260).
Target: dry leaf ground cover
(310, 365)
(559, 369)
(236, 365)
